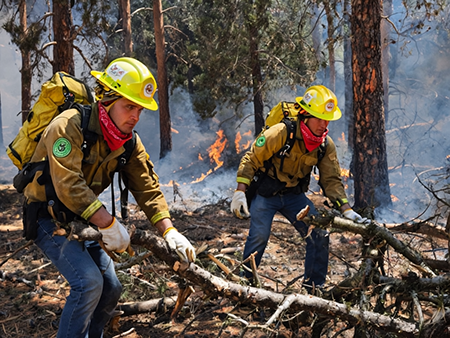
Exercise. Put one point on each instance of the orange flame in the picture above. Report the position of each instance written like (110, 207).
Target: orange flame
(345, 173)
(394, 198)
(200, 158)
(215, 150)
(342, 138)
(174, 130)
(238, 140)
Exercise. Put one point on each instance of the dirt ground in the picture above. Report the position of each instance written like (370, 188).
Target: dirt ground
(33, 292)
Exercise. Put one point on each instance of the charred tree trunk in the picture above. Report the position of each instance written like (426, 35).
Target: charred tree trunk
(256, 70)
(125, 12)
(163, 92)
(369, 156)
(25, 72)
(330, 47)
(348, 110)
(62, 31)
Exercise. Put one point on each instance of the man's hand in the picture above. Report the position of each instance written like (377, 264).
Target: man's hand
(355, 217)
(180, 244)
(115, 237)
(239, 204)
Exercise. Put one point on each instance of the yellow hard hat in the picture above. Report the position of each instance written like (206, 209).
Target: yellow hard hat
(320, 102)
(131, 79)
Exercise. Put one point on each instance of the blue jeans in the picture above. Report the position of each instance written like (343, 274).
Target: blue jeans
(263, 210)
(94, 286)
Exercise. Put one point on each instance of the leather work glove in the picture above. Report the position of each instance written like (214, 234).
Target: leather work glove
(239, 204)
(115, 237)
(180, 244)
(355, 217)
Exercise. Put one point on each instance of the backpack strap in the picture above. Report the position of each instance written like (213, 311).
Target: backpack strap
(123, 159)
(290, 139)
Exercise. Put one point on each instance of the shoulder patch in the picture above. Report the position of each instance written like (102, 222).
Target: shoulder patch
(261, 141)
(62, 147)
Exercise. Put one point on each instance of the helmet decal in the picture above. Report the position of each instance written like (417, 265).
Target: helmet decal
(116, 72)
(329, 106)
(308, 97)
(149, 90)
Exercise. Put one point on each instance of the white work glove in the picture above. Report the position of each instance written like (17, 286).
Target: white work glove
(355, 217)
(115, 237)
(239, 204)
(180, 244)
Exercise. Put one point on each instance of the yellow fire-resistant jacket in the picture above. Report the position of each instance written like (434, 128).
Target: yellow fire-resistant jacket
(297, 164)
(78, 183)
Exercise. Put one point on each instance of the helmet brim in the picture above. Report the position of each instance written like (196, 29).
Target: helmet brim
(333, 116)
(148, 104)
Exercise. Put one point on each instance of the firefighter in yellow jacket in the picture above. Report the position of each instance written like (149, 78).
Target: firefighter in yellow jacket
(283, 181)
(70, 184)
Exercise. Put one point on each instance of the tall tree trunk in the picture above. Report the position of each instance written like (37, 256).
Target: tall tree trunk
(163, 91)
(25, 72)
(62, 30)
(125, 12)
(369, 157)
(255, 65)
(257, 80)
(385, 54)
(316, 34)
(348, 110)
(330, 46)
(2, 144)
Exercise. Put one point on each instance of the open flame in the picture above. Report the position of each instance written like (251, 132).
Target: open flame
(238, 139)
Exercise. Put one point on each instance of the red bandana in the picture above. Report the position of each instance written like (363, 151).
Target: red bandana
(311, 141)
(112, 135)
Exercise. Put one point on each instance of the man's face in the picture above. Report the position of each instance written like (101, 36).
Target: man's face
(125, 114)
(317, 126)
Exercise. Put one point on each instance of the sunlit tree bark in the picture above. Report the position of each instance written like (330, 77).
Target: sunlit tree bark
(63, 33)
(163, 93)
(125, 12)
(369, 157)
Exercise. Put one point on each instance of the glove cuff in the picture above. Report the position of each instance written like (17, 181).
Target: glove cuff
(109, 226)
(167, 230)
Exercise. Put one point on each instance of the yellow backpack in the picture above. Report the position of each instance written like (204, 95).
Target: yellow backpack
(57, 94)
(281, 111)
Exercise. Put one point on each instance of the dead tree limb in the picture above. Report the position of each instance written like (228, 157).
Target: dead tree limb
(215, 286)
(372, 230)
(147, 306)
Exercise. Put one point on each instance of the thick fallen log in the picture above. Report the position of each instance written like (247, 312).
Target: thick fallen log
(152, 305)
(215, 286)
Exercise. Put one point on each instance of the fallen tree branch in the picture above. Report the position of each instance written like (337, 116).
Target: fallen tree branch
(372, 230)
(215, 286)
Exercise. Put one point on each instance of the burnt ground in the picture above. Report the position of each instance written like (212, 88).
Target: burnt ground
(33, 292)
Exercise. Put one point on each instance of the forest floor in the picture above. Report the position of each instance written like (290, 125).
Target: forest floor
(33, 292)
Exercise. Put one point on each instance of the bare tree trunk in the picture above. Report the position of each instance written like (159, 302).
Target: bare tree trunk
(62, 30)
(163, 92)
(317, 41)
(369, 157)
(256, 68)
(2, 144)
(25, 72)
(126, 26)
(330, 47)
(348, 79)
(385, 54)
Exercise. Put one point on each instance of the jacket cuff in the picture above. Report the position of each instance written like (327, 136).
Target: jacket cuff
(92, 209)
(159, 216)
(243, 180)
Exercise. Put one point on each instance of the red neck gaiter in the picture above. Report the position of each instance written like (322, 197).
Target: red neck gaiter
(311, 141)
(112, 135)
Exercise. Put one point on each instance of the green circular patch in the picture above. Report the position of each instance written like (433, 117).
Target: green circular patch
(261, 141)
(62, 147)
